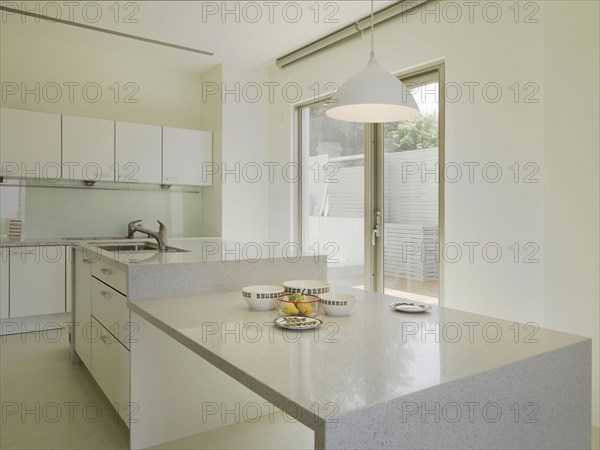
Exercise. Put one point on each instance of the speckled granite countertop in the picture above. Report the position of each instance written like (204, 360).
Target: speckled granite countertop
(369, 359)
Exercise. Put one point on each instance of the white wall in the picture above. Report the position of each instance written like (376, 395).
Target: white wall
(212, 120)
(166, 90)
(477, 131)
(481, 131)
(571, 227)
(245, 149)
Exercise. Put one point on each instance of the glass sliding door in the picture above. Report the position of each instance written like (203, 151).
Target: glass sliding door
(332, 197)
(410, 172)
(370, 195)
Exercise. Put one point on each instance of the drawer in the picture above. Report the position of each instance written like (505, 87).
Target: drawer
(109, 307)
(112, 275)
(110, 369)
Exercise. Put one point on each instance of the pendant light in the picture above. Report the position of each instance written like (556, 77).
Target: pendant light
(373, 95)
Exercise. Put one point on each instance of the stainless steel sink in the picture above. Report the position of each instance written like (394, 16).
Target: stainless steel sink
(136, 247)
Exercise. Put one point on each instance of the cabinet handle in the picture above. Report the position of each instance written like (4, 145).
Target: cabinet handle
(105, 294)
(86, 261)
(106, 271)
(106, 340)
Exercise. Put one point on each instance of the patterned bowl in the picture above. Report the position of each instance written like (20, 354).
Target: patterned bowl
(313, 287)
(337, 304)
(262, 297)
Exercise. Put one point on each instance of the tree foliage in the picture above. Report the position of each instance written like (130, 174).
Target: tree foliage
(414, 134)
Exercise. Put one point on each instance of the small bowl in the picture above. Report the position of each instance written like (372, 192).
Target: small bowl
(262, 297)
(337, 304)
(313, 287)
(287, 307)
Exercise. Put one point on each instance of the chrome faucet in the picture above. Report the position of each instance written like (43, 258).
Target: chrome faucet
(159, 235)
(131, 228)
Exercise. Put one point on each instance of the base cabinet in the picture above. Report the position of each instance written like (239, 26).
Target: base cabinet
(110, 369)
(102, 328)
(37, 280)
(83, 331)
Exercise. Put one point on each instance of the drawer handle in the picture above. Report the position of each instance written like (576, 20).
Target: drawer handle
(105, 294)
(106, 271)
(106, 340)
(86, 261)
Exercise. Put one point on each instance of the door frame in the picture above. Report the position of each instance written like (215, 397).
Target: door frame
(374, 189)
(374, 182)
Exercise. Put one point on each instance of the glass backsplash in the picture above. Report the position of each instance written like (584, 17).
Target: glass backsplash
(58, 211)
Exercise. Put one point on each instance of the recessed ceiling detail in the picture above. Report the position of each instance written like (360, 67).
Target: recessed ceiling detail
(104, 30)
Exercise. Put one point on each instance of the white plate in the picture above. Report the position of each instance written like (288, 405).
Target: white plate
(314, 287)
(409, 307)
(298, 323)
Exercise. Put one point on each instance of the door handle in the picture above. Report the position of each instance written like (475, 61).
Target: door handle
(375, 232)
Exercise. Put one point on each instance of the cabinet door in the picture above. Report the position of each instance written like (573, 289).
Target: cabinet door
(138, 153)
(29, 144)
(88, 149)
(37, 280)
(4, 282)
(186, 155)
(110, 369)
(83, 307)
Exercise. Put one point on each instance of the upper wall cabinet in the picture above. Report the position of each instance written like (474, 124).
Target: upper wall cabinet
(138, 153)
(88, 149)
(186, 156)
(29, 144)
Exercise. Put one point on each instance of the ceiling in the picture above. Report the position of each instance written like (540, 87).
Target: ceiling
(251, 34)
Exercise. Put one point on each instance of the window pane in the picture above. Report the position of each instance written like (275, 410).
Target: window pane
(411, 156)
(333, 193)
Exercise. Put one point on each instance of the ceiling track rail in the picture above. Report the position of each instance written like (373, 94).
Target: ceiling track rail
(349, 32)
(103, 30)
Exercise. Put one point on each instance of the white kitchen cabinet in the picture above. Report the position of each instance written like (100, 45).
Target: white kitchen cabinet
(3, 282)
(187, 155)
(138, 153)
(111, 332)
(109, 307)
(37, 280)
(110, 369)
(88, 149)
(30, 144)
(83, 331)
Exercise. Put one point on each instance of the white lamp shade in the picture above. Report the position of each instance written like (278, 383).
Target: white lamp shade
(373, 95)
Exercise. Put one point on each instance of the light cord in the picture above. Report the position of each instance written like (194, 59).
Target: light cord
(372, 32)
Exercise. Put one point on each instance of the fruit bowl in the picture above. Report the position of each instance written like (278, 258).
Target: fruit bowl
(297, 304)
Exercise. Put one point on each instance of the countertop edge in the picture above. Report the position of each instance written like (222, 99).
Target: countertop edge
(307, 417)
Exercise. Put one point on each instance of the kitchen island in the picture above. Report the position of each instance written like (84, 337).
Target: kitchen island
(107, 274)
(375, 379)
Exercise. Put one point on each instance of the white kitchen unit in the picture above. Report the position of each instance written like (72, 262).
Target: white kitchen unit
(38, 280)
(138, 153)
(88, 149)
(82, 326)
(110, 368)
(187, 155)
(3, 283)
(30, 144)
(103, 329)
